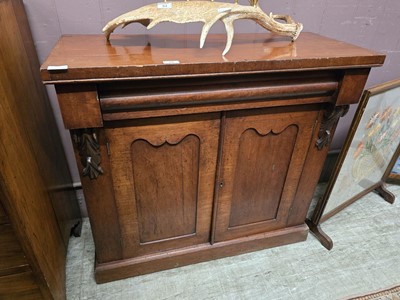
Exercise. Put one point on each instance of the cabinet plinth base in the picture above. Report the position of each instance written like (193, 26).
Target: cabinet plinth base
(106, 272)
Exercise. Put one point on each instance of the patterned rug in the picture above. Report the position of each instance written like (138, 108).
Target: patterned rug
(392, 293)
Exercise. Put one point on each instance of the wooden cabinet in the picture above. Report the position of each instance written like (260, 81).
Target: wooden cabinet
(38, 206)
(203, 159)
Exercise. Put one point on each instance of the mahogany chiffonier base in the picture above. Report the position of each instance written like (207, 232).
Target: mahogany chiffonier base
(205, 158)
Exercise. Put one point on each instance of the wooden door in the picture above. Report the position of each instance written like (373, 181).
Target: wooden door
(261, 163)
(163, 172)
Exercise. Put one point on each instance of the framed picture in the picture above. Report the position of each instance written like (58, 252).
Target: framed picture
(367, 157)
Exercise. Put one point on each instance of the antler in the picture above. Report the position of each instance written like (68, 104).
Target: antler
(208, 13)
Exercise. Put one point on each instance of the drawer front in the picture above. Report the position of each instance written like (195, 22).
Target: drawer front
(20, 286)
(262, 159)
(166, 97)
(163, 177)
(12, 258)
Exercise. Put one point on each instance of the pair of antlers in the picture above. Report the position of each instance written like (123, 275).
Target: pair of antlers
(207, 12)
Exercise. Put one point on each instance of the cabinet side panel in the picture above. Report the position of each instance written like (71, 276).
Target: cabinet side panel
(99, 197)
(309, 180)
(263, 163)
(166, 181)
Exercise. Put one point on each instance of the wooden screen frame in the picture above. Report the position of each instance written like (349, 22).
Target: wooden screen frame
(318, 216)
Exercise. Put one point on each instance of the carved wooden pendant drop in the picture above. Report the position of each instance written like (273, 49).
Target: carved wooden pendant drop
(89, 151)
(209, 13)
(330, 119)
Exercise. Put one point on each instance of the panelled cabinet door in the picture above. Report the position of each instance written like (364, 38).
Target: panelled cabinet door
(262, 159)
(163, 174)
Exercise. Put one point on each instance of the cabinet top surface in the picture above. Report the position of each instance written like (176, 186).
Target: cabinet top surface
(91, 58)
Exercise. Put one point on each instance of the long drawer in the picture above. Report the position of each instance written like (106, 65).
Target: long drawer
(161, 97)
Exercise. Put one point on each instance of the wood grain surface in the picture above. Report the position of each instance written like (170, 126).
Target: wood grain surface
(35, 184)
(130, 56)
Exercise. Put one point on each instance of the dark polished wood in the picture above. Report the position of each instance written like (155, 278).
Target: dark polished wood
(316, 230)
(21, 286)
(133, 56)
(385, 193)
(38, 205)
(79, 109)
(12, 257)
(207, 158)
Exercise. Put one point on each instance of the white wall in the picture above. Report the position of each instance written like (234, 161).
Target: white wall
(372, 24)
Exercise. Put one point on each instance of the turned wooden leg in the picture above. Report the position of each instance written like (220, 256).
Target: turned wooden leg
(385, 193)
(321, 236)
